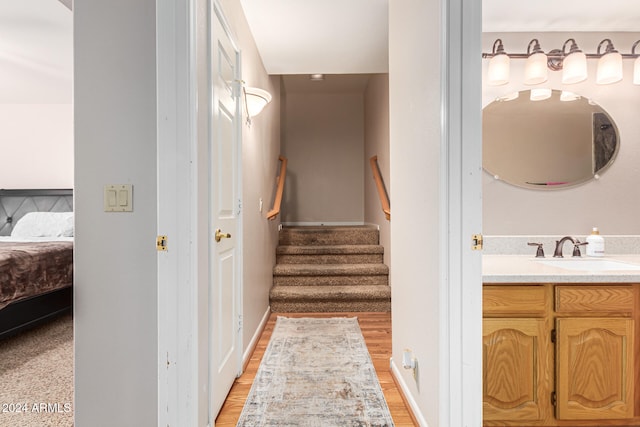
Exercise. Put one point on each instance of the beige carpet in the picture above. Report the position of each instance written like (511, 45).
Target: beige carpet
(316, 373)
(36, 376)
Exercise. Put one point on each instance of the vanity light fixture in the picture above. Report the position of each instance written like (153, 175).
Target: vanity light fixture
(609, 64)
(540, 94)
(574, 64)
(567, 96)
(535, 71)
(570, 59)
(255, 99)
(498, 73)
(636, 64)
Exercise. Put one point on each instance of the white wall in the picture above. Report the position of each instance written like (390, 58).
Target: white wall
(415, 134)
(37, 146)
(115, 257)
(376, 140)
(324, 143)
(609, 203)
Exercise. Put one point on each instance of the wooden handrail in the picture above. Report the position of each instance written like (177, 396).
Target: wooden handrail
(382, 192)
(273, 213)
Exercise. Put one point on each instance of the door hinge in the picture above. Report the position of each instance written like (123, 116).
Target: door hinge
(161, 243)
(554, 335)
(554, 398)
(476, 242)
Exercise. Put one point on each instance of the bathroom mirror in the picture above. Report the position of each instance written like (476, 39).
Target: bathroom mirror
(547, 139)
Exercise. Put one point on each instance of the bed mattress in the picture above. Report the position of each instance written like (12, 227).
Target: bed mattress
(33, 268)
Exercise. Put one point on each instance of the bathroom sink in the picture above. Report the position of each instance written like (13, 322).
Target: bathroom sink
(590, 264)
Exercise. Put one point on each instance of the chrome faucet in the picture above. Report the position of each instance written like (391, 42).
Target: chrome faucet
(576, 246)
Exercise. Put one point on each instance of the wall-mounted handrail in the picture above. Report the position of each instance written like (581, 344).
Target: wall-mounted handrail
(273, 213)
(382, 191)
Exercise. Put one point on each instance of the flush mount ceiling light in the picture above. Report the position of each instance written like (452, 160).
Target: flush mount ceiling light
(498, 73)
(316, 77)
(535, 71)
(255, 99)
(570, 59)
(609, 64)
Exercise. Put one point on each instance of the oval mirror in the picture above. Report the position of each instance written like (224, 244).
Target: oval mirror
(547, 139)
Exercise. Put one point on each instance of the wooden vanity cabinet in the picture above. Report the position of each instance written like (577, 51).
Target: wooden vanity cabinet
(594, 352)
(561, 355)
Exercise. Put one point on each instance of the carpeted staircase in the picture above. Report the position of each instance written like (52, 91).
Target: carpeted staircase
(330, 269)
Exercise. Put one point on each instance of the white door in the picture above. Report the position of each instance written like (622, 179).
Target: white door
(224, 212)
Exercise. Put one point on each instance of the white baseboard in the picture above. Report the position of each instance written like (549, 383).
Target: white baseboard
(404, 389)
(256, 336)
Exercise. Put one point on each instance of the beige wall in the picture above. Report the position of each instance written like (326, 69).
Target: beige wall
(260, 151)
(376, 141)
(609, 203)
(37, 145)
(323, 140)
(415, 134)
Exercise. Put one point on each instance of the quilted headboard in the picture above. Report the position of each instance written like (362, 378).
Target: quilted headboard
(15, 203)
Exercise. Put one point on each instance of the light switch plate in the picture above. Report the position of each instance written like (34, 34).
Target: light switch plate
(118, 198)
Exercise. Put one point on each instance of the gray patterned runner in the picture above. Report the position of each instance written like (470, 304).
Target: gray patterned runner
(316, 372)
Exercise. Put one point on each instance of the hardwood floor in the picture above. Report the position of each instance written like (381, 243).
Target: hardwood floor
(376, 330)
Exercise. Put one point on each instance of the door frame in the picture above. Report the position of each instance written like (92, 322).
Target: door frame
(461, 211)
(183, 97)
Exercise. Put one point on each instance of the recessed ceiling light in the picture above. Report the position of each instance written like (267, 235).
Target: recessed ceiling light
(316, 77)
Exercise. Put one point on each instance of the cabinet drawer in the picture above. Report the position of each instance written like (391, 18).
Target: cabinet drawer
(604, 299)
(515, 300)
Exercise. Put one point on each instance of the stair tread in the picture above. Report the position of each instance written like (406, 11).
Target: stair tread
(328, 249)
(330, 292)
(329, 269)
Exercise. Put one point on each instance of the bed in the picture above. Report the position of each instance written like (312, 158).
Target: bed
(36, 257)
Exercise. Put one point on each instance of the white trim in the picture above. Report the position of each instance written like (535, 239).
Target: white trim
(256, 336)
(177, 299)
(460, 215)
(404, 389)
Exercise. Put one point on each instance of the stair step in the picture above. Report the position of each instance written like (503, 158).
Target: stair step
(332, 254)
(330, 274)
(330, 298)
(335, 235)
(330, 269)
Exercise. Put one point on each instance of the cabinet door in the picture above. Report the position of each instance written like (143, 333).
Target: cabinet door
(594, 368)
(515, 360)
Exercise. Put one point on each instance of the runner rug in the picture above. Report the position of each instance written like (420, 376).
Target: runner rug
(316, 372)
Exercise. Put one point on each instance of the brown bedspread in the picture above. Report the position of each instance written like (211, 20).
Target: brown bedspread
(28, 269)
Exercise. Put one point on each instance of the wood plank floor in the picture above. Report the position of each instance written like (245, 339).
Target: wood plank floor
(376, 330)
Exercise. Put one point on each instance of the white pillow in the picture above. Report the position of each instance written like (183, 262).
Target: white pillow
(44, 224)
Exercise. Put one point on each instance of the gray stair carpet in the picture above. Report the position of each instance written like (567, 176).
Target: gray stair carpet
(330, 269)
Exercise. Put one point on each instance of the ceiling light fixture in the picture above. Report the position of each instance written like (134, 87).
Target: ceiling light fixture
(316, 77)
(570, 59)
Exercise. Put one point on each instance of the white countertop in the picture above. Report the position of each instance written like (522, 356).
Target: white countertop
(525, 269)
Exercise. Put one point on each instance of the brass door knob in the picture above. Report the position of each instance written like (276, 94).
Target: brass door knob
(220, 235)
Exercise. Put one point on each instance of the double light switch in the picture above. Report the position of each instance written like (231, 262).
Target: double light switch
(118, 198)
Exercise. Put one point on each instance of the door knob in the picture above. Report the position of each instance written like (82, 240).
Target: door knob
(220, 235)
